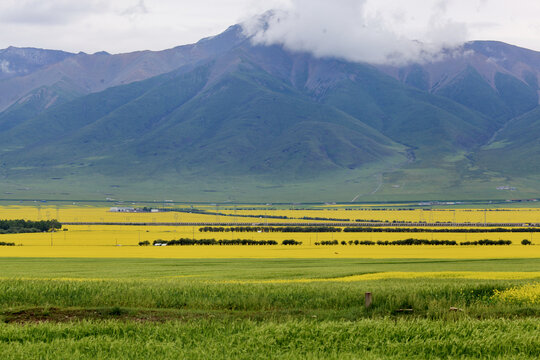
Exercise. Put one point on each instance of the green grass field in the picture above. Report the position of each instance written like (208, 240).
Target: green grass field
(376, 184)
(289, 339)
(146, 309)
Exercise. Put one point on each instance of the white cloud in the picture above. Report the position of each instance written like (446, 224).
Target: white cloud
(357, 31)
(56, 12)
(129, 25)
(139, 8)
(114, 26)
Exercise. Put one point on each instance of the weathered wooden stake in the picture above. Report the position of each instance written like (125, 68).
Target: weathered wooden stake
(369, 299)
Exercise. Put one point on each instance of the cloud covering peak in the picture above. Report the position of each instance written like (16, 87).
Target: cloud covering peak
(359, 30)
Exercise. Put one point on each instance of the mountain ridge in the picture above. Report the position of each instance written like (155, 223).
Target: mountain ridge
(273, 121)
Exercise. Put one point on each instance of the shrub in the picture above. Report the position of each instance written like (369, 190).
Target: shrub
(291, 242)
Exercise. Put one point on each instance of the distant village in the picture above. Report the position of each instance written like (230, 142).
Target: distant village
(506, 188)
(118, 209)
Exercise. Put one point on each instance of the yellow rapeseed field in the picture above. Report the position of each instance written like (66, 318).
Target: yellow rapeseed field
(529, 293)
(77, 213)
(96, 214)
(473, 275)
(88, 235)
(523, 215)
(121, 241)
(275, 252)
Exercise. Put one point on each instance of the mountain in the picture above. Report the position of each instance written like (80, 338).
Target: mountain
(225, 119)
(495, 79)
(515, 148)
(16, 62)
(85, 73)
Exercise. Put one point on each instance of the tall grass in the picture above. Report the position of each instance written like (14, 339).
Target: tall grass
(169, 309)
(427, 297)
(293, 339)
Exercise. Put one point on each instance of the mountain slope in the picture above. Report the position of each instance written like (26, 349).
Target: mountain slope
(418, 119)
(227, 119)
(515, 150)
(496, 79)
(240, 123)
(100, 71)
(16, 62)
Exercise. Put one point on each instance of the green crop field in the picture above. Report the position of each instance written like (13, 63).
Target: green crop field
(247, 309)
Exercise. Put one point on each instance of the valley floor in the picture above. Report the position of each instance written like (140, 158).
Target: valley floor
(92, 292)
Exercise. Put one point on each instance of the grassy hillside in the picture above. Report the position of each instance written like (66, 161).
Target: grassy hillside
(244, 122)
(473, 91)
(516, 148)
(263, 124)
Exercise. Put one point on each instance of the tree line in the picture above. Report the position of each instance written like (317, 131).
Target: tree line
(395, 242)
(269, 229)
(410, 242)
(487, 242)
(451, 230)
(27, 226)
(210, 242)
(327, 229)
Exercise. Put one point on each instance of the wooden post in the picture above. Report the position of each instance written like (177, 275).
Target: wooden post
(369, 300)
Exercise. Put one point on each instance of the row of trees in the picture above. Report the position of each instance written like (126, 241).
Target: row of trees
(326, 229)
(410, 242)
(291, 242)
(27, 226)
(443, 230)
(487, 242)
(351, 242)
(209, 242)
(268, 229)
(247, 242)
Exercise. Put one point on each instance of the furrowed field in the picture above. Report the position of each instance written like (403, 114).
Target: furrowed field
(75, 294)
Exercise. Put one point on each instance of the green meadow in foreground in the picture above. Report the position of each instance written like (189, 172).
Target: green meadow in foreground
(146, 309)
(291, 339)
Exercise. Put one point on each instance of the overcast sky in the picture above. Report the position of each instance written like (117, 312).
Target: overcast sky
(129, 25)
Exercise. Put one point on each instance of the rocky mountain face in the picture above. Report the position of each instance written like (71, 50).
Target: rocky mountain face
(28, 70)
(224, 107)
(18, 62)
